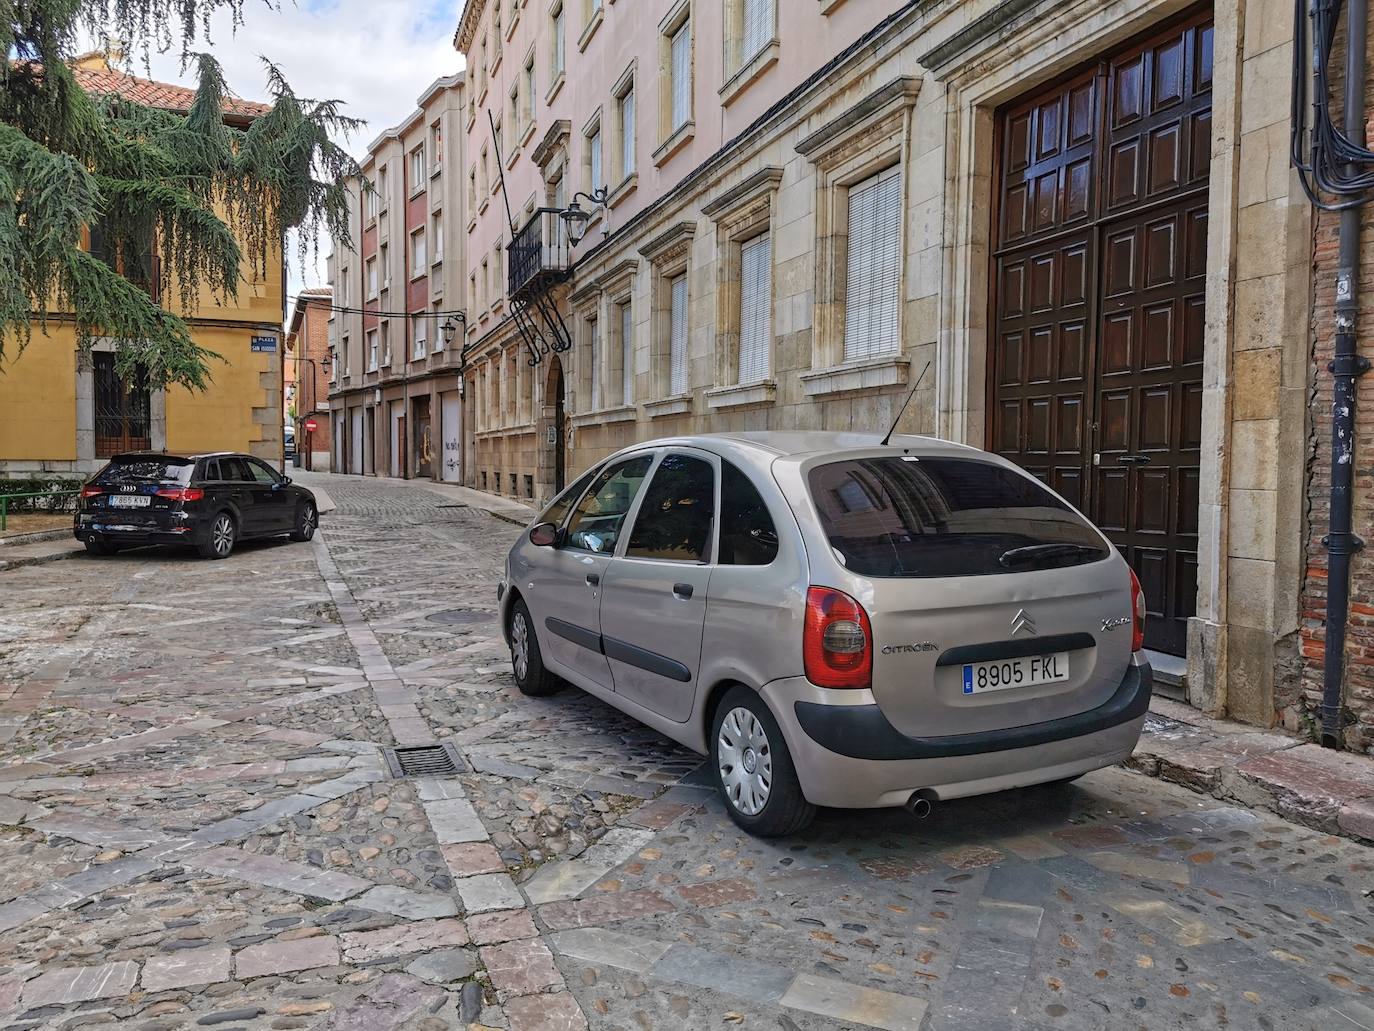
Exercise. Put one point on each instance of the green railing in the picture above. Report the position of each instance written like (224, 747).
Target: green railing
(26, 503)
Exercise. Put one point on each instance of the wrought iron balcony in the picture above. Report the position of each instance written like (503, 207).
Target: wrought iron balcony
(539, 256)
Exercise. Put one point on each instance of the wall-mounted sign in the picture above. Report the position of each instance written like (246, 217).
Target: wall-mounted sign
(264, 344)
(311, 425)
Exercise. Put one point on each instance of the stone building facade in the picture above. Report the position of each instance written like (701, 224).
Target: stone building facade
(305, 374)
(1076, 229)
(395, 334)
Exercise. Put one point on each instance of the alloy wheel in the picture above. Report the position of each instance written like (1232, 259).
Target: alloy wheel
(520, 646)
(222, 535)
(745, 760)
(309, 520)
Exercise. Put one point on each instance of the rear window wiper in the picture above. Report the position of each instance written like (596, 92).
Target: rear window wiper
(1042, 552)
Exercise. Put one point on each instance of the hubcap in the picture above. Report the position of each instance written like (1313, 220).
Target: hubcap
(308, 520)
(223, 535)
(520, 646)
(745, 761)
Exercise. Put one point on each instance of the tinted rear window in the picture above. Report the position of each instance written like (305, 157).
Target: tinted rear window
(147, 470)
(909, 517)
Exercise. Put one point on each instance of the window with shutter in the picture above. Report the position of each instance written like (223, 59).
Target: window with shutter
(627, 358)
(682, 75)
(872, 323)
(558, 50)
(627, 134)
(594, 149)
(594, 363)
(677, 338)
(758, 27)
(755, 323)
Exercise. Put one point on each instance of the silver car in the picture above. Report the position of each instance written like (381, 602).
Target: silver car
(833, 621)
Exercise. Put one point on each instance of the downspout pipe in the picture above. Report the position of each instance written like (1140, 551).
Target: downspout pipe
(1345, 366)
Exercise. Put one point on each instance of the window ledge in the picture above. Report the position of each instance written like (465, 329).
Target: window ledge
(678, 404)
(626, 187)
(868, 374)
(436, 171)
(764, 392)
(829, 5)
(496, 62)
(742, 79)
(511, 159)
(590, 30)
(681, 136)
(510, 29)
(529, 131)
(439, 260)
(472, 223)
(620, 413)
(415, 192)
(556, 87)
(482, 207)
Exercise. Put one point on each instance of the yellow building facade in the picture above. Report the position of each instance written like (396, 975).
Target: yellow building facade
(62, 412)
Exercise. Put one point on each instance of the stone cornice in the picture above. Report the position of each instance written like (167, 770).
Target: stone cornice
(674, 236)
(467, 25)
(763, 181)
(900, 92)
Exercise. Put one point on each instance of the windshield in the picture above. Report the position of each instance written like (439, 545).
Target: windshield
(147, 470)
(904, 516)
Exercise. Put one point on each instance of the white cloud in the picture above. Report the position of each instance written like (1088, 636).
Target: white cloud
(376, 57)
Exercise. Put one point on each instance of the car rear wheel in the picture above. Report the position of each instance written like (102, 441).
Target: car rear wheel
(99, 548)
(525, 658)
(219, 541)
(753, 768)
(306, 521)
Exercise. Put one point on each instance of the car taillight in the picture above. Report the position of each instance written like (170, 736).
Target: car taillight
(1137, 614)
(181, 493)
(91, 491)
(837, 643)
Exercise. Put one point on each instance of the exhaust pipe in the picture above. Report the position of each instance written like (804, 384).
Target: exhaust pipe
(921, 802)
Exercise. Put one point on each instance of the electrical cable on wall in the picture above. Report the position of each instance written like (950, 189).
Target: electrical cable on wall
(1336, 172)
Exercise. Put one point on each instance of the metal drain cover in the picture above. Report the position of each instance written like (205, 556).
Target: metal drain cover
(460, 617)
(424, 761)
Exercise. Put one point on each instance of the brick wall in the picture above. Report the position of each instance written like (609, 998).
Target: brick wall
(1300, 711)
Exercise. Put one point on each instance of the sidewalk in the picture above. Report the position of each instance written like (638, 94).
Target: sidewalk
(12, 556)
(1262, 769)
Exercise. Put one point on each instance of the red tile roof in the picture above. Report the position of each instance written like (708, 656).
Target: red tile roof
(164, 95)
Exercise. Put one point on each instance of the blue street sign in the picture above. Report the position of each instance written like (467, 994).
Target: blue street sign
(264, 344)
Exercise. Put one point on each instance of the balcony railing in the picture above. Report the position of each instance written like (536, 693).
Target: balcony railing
(539, 255)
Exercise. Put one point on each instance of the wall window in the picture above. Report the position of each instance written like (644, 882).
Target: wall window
(386, 341)
(627, 352)
(759, 25)
(370, 201)
(498, 269)
(437, 330)
(486, 284)
(472, 192)
(382, 198)
(371, 278)
(500, 151)
(334, 363)
(755, 316)
(625, 129)
(343, 289)
(418, 262)
(418, 345)
(372, 356)
(384, 267)
(496, 34)
(680, 73)
(437, 231)
(872, 323)
(593, 163)
(473, 305)
(557, 50)
(594, 364)
(347, 358)
(418, 171)
(436, 145)
(513, 113)
(485, 168)
(677, 335)
(528, 113)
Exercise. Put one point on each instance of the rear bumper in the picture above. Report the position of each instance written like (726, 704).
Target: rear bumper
(117, 533)
(848, 755)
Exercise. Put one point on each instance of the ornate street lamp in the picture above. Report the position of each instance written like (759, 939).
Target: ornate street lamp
(576, 219)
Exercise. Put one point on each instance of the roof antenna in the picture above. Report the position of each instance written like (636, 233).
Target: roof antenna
(900, 411)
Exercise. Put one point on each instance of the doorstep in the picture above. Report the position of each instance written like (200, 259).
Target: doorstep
(1321, 788)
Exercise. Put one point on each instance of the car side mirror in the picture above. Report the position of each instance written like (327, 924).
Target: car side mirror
(544, 535)
(286, 479)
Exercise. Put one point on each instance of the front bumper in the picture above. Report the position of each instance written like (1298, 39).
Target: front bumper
(848, 755)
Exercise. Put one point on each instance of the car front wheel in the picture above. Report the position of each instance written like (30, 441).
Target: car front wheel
(306, 521)
(525, 657)
(753, 768)
(219, 540)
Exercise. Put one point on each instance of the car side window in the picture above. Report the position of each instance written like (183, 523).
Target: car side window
(559, 508)
(679, 508)
(236, 469)
(211, 469)
(261, 473)
(748, 536)
(595, 523)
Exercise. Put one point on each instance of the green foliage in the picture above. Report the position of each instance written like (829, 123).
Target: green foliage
(214, 202)
(41, 484)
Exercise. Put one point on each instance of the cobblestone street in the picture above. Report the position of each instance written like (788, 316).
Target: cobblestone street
(199, 826)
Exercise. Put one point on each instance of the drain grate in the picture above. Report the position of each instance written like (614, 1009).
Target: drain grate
(424, 761)
(460, 617)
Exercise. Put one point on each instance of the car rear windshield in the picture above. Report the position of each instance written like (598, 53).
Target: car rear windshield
(147, 470)
(904, 516)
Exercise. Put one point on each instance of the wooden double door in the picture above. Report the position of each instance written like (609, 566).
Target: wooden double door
(1099, 272)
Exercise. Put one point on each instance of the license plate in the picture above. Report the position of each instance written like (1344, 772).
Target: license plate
(130, 501)
(1027, 671)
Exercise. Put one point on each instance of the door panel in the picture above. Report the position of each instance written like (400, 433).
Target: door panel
(1107, 280)
(653, 610)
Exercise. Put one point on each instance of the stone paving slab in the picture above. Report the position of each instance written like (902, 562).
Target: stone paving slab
(186, 967)
(282, 957)
(854, 1004)
(278, 873)
(81, 984)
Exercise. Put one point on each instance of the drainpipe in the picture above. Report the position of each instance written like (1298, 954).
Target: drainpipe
(1346, 365)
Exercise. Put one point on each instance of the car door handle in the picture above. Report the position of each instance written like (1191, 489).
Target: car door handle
(593, 579)
(682, 590)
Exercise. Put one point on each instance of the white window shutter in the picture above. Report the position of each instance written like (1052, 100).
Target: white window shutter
(755, 317)
(872, 313)
(682, 75)
(627, 134)
(758, 27)
(677, 339)
(627, 354)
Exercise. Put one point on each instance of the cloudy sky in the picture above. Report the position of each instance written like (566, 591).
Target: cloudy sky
(375, 55)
